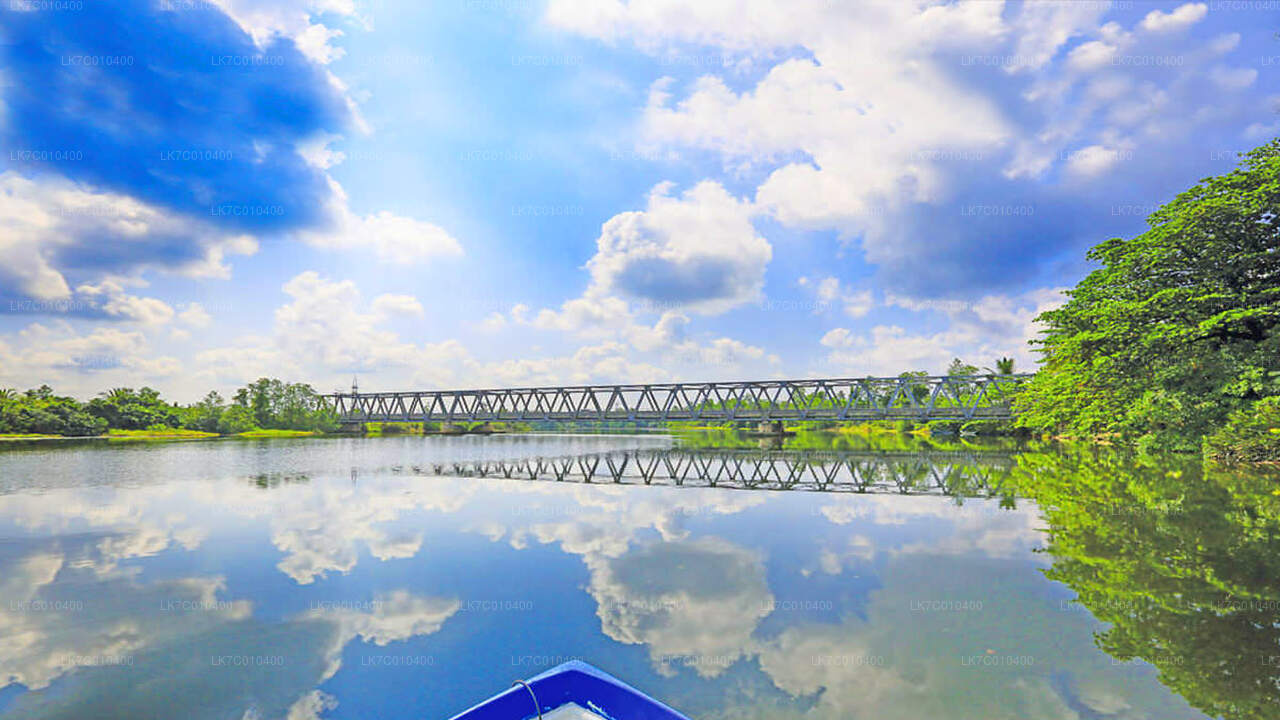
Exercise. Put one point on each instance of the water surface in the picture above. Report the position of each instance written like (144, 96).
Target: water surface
(383, 578)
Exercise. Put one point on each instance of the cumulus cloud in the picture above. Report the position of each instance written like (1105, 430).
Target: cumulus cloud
(979, 332)
(698, 251)
(56, 229)
(264, 20)
(937, 137)
(195, 316)
(1180, 18)
(81, 362)
(393, 238)
(830, 292)
(222, 155)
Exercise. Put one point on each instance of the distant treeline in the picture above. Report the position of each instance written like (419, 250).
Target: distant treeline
(267, 404)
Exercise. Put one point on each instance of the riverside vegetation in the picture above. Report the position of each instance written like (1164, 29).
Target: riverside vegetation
(1174, 338)
(264, 408)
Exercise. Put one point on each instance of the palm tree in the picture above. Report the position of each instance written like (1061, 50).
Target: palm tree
(1005, 366)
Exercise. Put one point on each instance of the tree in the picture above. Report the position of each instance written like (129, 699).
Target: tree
(235, 419)
(274, 404)
(1177, 328)
(204, 415)
(133, 410)
(41, 411)
(1004, 366)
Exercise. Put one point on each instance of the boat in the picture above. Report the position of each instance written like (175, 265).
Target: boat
(571, 691)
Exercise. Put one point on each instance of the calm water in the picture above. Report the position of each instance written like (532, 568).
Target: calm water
(381, 578)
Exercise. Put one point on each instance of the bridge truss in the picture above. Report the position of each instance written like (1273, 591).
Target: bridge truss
(837, 399)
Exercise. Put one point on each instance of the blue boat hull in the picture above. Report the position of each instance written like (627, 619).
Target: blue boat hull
(573, 682)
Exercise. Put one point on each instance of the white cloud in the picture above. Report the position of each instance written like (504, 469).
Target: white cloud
(697, 252)
(323, 322)
(389, 305)
(828, 291)
(50, 220)
(196, 316)
(1093, 161)
(76, 363)
(994, 326)
(266, 19)
(879, 132)
(1184, 16)
(109, 298)
(1233, 78)
(393, 238)
(1092, 55)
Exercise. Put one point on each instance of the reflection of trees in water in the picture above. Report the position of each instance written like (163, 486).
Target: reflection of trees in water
(1183, 563)
(855, 439)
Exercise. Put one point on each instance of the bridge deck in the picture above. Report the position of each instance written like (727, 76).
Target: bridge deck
(836, 399)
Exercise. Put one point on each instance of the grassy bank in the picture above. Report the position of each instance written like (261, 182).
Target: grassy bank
(278, 433)
(166, 434)
(28, 436)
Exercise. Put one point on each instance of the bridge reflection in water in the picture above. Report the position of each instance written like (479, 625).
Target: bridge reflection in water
(960, 474)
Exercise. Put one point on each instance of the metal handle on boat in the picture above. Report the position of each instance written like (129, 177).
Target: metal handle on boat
(536, 706)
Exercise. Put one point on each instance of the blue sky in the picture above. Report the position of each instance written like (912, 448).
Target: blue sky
(498, 192)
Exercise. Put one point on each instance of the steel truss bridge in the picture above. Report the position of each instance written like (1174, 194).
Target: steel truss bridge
(955, 474)
(836, 399)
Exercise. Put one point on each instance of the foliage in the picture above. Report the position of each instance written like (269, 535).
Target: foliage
(1183, 563)
(40, 411)
(127, 409)
(1177, 328)
(235, 419)
(276, 405)
(265, 404)
(1251, 435)
(204, 415)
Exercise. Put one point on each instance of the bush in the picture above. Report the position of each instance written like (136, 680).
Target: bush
(1251, 435)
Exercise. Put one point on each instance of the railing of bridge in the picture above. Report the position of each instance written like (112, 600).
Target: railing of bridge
(926, 473)
(837, 399)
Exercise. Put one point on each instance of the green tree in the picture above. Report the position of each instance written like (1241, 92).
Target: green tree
(204, 415)
(274, 404)
(41, 411)
(128, 409)
(1177, 328)
(235, 419)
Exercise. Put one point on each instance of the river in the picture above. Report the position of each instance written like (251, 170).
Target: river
(386, 578)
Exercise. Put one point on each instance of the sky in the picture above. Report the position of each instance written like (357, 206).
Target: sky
(482, 193)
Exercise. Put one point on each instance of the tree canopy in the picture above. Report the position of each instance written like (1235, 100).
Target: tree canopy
(264, 404)
(1178, 327)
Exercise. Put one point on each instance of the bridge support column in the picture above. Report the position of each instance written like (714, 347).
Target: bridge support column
(770, 426)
